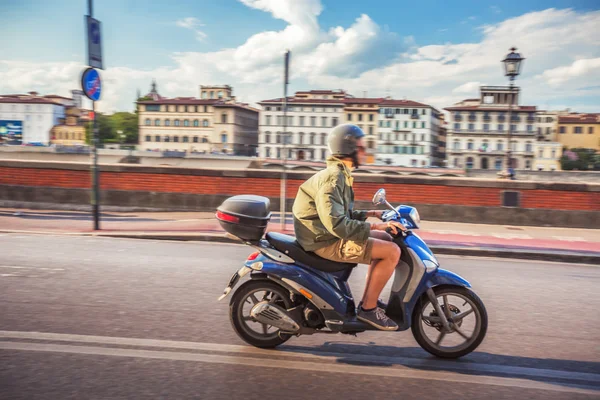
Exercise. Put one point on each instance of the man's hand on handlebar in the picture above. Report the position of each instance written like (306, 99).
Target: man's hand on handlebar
(393, 227)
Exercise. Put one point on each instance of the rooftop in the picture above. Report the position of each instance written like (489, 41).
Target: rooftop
(593, 118)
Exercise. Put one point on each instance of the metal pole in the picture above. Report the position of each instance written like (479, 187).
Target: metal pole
(508, 148)
(283, 194)
(90, 8)
(95, 179)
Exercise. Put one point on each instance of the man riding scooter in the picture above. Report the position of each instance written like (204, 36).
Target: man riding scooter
(326, 224)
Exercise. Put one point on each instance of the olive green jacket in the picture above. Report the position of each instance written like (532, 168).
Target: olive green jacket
(323, 209)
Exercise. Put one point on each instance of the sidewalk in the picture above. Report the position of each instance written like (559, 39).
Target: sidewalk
(565, 244)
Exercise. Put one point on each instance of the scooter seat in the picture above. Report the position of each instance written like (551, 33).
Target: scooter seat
(290, 247)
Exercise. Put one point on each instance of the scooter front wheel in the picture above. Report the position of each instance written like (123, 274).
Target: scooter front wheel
(248, 329)
(466, 322)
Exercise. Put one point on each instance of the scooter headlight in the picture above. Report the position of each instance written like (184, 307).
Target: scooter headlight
(414, 215)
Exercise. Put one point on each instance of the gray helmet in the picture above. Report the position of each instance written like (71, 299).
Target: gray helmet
(342, 140)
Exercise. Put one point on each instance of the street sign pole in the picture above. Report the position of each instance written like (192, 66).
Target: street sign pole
(283, 194)
(91, 86)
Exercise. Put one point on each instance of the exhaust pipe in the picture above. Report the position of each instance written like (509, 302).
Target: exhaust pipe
(272, 314)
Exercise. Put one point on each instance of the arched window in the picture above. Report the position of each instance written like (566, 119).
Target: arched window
(223, 138)
(186, 139)
(157, 138)
(167, 139)
(204, 122)
(528, 147)
(498, 164)
(456, 144)
(195, 139)
(470, 145)
(186, 122)
(157, 122)
(469, 162)
(204, 139)
(223, 118)
(176, 139)
(196, 123)
(176, 122)
(147, 121)
(167, 122)
(148, 138)
(267, 152)
(267, 137)
(499, 146)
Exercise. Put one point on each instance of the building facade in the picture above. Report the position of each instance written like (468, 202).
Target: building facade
(70, 132)
(364, 112)
(477, 131)
(547, 156)
(28, 118)
(579, 130)
(213, 123)
(408, 134)
(310, 117)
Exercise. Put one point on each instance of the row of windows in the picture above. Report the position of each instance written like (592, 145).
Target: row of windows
(552, 153)
(308, 154)
(401, 150)
(415, 124)
(312, 138)
(360, 117)
(301, 121)
(577, 129)
(486, 127)
(176, 122)
(69, 136)
(172, 108)
(515, 117)
(405, 111)
(303, 109)
(398, 136)
(487, 146)
(184, 139)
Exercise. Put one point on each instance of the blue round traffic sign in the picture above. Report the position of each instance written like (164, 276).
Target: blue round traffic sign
(91, 84)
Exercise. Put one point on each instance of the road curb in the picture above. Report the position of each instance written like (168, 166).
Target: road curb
(564, 256)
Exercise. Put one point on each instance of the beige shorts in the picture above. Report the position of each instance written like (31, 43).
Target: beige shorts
(348, 251)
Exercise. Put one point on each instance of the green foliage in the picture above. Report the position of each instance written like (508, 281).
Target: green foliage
(580, 159)
(108, 125)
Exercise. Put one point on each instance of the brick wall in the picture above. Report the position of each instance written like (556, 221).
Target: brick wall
(405, 189)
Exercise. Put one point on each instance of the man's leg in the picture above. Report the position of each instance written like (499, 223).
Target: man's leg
(376, 235)
(385, 255)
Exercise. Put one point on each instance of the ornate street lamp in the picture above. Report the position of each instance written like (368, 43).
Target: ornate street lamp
(512, 68)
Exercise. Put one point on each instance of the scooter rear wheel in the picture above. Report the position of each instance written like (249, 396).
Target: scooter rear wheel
(242, 301)
(467, 318)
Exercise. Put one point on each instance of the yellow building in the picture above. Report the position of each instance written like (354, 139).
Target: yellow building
(364, 112)
(70, 132)
(579, 130)
(547, 156)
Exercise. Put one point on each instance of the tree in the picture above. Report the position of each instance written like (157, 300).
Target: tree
(579, 159)
(128, 123)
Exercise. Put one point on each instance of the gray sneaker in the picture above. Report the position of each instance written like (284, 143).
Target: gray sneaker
(377, 318)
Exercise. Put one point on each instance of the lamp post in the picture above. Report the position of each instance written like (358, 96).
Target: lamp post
(512, 68)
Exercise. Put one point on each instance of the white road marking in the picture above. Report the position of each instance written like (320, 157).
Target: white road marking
(323, 361)
(511, 236)
(571, 239)
(35, 268)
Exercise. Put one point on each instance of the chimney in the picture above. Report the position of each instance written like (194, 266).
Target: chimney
(33, 94)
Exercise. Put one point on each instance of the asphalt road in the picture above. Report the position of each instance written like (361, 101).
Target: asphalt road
(102, 318)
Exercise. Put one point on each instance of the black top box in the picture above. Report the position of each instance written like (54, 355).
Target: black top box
(245, 216)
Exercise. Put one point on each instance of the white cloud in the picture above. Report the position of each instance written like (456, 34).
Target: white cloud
(495, 9)
(467, 88)
(192, 24)
(561, 61)
(589, 69)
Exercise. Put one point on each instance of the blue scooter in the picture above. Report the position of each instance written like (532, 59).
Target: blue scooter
(292, 292)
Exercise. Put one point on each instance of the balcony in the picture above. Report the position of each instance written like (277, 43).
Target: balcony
(501, 119)
(458, 118)
(531, 119)
(389, 115)
(472, 118)
(414, 116)
(487, 119)
(515, 119)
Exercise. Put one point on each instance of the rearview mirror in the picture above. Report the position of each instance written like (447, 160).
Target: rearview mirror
(379, 197)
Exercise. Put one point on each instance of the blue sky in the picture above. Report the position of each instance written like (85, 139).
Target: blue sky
(145, 37)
